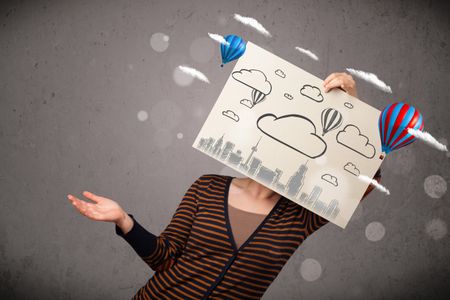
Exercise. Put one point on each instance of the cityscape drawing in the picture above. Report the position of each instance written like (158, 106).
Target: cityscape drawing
(253, 167)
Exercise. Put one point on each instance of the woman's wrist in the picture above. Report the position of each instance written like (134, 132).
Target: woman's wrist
(125, 223)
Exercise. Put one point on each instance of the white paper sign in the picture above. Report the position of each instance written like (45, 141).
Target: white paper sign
(274, 123)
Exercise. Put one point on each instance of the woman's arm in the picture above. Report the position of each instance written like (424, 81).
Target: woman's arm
(160, 252)
(377, 177)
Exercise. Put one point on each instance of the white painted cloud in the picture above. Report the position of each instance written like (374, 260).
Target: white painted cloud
(371, 78)
(194, 73)
(307, 52)
(305, 140)
(378, 186)
(254, 79)
(427, 138)
(218, 38)
(252, 23)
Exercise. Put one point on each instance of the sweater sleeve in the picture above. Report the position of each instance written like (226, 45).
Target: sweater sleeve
(160, 252)
(314, 222)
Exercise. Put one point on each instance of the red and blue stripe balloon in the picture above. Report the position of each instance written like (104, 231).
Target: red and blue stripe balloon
(393, 123)
(233, 50)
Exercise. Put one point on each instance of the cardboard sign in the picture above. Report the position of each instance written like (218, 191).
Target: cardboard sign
(274, 123)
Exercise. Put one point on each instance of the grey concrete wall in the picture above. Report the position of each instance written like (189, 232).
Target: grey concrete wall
(83, 100)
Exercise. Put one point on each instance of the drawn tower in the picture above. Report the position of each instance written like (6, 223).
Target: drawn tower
(254, 149)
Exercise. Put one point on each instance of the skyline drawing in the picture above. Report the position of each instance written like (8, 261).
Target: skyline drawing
(253, 167)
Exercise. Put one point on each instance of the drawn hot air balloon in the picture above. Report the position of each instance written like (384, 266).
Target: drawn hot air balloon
(393, 123)
(234, 48)
(331, 119)
(257, 96)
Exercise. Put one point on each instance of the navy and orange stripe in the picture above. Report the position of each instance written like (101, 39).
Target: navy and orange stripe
(196, 257)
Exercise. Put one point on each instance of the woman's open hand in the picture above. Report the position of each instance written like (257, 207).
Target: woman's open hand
(343, 81)
(103, 209)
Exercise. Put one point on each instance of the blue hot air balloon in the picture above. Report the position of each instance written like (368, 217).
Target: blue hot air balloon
(394, 121)
(233, 50)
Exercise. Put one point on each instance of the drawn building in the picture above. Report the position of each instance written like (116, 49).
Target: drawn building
(266, 175)
(209, 144)
(217, 145)
(313, 196)
(235, 158)
(319, 206)
(334, 213)
(226, 150)
(332, 207)
(303, 198)
(280, 187)
(296, 181)
(201, 144)
(278, 173)
(254, 166)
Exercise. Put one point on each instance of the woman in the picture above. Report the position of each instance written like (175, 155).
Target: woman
(228, 239)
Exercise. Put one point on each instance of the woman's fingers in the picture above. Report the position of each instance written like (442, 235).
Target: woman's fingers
(85, 208)
(80, 205)
(336, 82)
(92, 196)
(330, 77)
(343, 81)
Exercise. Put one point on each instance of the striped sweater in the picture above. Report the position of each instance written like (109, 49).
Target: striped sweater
(196, 257)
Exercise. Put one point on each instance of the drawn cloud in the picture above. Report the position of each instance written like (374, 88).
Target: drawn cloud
(247, 103)
(255, 79)
(330, 179)
(305, 140)
(280, 73)
(312, 93)
(288, 96)
(230, 114)
(351, 168)
(348, 105)
(352, 138)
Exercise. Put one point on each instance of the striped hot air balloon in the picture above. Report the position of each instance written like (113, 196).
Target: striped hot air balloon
(331, 119)
(257, 96)
(233, 50)
(393, 123)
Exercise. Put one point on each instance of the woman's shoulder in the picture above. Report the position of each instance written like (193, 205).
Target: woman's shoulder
(207, 179)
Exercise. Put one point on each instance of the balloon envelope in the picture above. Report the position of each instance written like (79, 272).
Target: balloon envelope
(331, 119)
(234, 49)
(257, 96)
(393, 123)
